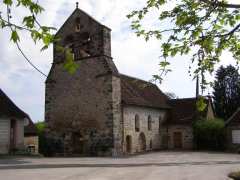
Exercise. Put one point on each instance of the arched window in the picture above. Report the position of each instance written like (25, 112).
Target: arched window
(137, 123)
(149, 123)
(150, 144)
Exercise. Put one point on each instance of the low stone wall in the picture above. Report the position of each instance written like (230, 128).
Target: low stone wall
(152, 137)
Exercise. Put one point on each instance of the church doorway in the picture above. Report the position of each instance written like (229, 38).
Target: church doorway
(177, 140)
(142, 142)
(77, 143)
(129, 144)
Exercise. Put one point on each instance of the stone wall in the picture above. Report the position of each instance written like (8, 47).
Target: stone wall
(31, 143)
(187, 136)
(5, 135)
(20, 134)
(154, 135)
(81, 107)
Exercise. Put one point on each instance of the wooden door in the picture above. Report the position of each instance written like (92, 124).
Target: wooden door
(12, 134)
(177, 140)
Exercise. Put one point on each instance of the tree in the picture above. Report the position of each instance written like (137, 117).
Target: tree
(226, 91)
(48, 146)
(30, 24)
(200, 28)
(209, 134)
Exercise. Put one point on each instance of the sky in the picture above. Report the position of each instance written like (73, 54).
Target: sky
(132, 55)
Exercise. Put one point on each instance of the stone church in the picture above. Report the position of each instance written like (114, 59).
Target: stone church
(99, 111)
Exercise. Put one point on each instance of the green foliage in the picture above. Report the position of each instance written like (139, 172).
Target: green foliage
(209, 27)
(48, 146)
(40, 127)
(38, 32)
(201, 104)
(209, 134)
(69, 65)
(15, 36)
(226, 91)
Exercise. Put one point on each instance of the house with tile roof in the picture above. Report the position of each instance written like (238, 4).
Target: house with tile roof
(99, 111)
(17, 131)
(233, 131)
(12, 120)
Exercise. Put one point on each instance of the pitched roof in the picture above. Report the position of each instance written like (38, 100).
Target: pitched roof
(79, 11)
(30, 129)
(234, 119)
(184, 111)
(142, 93)
(9, 109)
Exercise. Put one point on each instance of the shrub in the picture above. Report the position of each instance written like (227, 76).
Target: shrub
(48, 146)
(209, 134)
(235, 175)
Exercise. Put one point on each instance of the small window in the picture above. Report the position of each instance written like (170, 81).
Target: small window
(149, 123)
(137, 123)
(78, 26)
(159, 123)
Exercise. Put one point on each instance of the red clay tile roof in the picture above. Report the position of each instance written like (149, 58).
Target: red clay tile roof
(184, 111)
(30, 129)
(234, 119)
(9, 109)
(142, 93)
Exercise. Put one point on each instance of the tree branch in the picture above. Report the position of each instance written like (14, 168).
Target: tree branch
(221, 4)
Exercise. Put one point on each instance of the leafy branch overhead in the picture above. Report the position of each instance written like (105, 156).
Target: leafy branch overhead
(201, 28)
(30, 24)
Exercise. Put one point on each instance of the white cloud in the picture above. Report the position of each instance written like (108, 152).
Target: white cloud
(132, 55)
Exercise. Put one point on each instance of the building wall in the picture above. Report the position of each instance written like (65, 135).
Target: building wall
(210, 113)
(230, 145)
(187, 136)
(31, 141)
(81, 104)
(155, 134)
(20, 134)
(4, 135)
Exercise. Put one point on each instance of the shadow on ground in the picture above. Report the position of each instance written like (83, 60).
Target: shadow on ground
(45, 166)
(12, 161)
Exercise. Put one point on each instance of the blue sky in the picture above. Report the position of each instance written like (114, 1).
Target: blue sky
(132, 55)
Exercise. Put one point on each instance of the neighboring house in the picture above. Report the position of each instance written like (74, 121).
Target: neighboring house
(97, 110)
(31, 137)
(182, 115)
(11, 125)
(233, 131)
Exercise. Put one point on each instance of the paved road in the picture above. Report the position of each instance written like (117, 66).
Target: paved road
(152, 166)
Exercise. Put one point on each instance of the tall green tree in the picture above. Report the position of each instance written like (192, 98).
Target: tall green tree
(226, 91)
(203, 29)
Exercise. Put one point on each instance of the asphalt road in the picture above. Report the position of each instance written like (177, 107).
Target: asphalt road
(161, 165)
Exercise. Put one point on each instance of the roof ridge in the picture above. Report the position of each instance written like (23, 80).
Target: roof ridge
(78, 9)
(232, 116)
(11, 103)
(128, 76)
